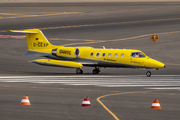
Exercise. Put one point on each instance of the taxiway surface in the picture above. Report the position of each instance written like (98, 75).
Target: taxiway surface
(113, 25)
(60, 97)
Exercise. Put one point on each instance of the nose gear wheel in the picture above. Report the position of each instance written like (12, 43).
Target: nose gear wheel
(148, 73)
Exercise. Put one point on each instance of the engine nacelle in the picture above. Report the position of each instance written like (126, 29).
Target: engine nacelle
(71, 52)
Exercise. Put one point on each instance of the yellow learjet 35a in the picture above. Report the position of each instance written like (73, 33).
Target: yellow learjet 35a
(77, 57)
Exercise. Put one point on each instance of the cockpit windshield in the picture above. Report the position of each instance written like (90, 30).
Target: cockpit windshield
(137, 55)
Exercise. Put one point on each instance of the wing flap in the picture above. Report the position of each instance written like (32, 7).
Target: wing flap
(59, 63)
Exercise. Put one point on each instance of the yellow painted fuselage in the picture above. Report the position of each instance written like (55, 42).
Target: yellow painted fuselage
(111, 57)
(77, 57)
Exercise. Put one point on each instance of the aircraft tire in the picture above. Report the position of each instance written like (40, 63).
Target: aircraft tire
(95, 71)
(148, 74)
(79, 71)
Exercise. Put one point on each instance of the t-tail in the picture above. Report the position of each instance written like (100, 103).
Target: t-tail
(36, 41)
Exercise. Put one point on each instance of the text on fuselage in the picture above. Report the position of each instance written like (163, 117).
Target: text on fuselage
(65, 52)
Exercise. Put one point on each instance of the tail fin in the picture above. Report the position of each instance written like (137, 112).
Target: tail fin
(36, 41)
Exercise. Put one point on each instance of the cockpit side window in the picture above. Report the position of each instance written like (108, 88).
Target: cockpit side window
(137, 55)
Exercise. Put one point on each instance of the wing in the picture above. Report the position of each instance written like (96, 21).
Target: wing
(57, 63)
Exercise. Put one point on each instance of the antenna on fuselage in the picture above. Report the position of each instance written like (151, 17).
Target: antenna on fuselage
(103, 47)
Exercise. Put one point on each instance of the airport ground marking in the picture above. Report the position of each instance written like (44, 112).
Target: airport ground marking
(85, 76)
(115, 23)
(115, 117)
(69, 39)
(172, 64)
(101, 41)
(86, 25)
(89, 25)
(3, 30)
(35, 15)
(115, 40)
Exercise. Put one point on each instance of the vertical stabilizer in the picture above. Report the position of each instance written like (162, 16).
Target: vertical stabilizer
(36, 41)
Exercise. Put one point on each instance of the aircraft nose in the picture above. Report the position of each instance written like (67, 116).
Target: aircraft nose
(159, 64)
(155, 64)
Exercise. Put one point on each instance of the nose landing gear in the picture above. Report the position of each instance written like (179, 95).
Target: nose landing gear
(148, 74)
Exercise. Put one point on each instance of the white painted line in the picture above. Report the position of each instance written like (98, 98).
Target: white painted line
(98, 79)
(132, 85)
(164, 88)
(96, 76)
(84, 76)
(102, 81)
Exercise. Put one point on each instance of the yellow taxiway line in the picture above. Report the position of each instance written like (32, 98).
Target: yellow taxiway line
(88, 25)
(115, 23)
(129, 38)
(101, 41)
(69, 39)
(40, 15)
(115, 117)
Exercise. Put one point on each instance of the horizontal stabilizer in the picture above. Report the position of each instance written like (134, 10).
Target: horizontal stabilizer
(58, 63)
(21, 31)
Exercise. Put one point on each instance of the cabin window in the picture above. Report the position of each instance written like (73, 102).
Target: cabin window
(122, 55)
(97, 54)
(137, 55)
(91, 54)
(103, 54)
(109, 55)
(116, 55)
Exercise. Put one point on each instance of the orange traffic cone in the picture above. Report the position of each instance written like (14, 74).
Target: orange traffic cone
(25, 101)
(86, 102)
(155, 105)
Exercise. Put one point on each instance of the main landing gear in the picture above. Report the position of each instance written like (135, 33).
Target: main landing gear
(79, 71)
(148, 73)
(96, 70)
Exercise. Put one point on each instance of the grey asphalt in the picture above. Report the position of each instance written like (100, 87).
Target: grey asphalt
(62, 99)
(59, 101)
